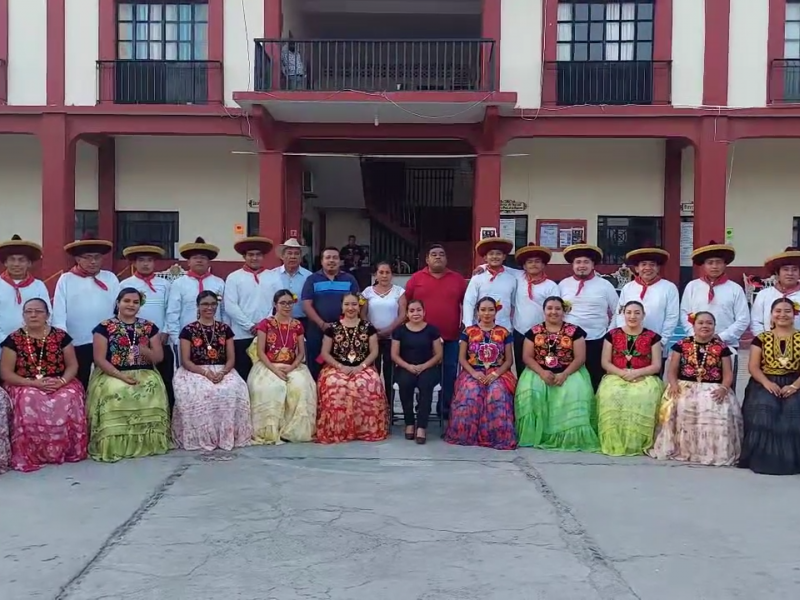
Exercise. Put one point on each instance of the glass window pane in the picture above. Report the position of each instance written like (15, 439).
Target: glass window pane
(644, 51)
(155, 12)
(612, 11)
(200, 51)
(612, 51)
(580, 52)
(597, 11)
(628, 31)
(185, 51)
(645, 11)
(612, 32)
(124, 50)
(125, 32)
(125, 12)
(201, 12)
(581, 32)
(201, 32)
(792, 30)
(141, 50)
(171, 12)
(171, 51)
(155, 51)
(171, 31)
(626, 51)
(185, 30)
(141, 31)
(791, 50)
(155, 31)
(793, 11)
(564, 32)
(185, 12)
(628, 11)
(595, 51)
(581, 12)
(644, 31)
(596, 32)
(563, 52)
(141, 12)
(564, 12)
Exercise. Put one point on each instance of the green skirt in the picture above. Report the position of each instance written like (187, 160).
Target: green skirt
(627, 414)
(556, 418)
(127, 421)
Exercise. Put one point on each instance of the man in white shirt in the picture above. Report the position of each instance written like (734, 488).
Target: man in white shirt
(786, 268)
(592, 303)
(715, 293)
(533, 288)
(155, 291)
(659, 297)
(85, 295)
(494, 281)
(292, 276)
(17, 285)
(246, 304)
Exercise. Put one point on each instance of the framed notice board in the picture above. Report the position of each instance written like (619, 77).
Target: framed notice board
(557, 234)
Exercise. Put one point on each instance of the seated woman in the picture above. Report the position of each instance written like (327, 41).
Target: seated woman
(554, 403)
(351, 400)
(127, 401)
(699, 419)
(212, 404)
(482, 410)
(47, 402)
(283, 396)
(771, 408)
(629, 395)
(417, 352)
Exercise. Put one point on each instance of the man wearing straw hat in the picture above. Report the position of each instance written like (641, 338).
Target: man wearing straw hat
(85, 295)
(786, 268)
(494, 281)
(17, 285)
(292, 275)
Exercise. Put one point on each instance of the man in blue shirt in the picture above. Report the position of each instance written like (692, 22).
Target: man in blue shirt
(292, 276)
(322, 302)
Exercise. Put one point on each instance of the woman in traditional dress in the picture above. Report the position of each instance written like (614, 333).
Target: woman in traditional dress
(127, 401)
(482, 411)
(771, 408)
(630, 392)
(554, 402)
(47, 402)
(5, 444)
(212, 404)
(699, 419)
(283, 395)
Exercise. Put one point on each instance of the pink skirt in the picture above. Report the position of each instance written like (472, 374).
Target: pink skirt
(5, 441)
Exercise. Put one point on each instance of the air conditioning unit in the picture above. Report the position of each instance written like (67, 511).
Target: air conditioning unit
(308, 182)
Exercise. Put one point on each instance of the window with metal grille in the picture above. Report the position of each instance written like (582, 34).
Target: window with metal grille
(252, 224)
(147, 227)
(616, 236)
(162, 31)
(796, 233)
(87, 222)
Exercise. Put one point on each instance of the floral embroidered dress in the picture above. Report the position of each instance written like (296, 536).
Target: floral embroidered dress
(210, 415)
(483, 415)
(127, 421)
(550, 416)
(771, 424)
(627, 409)
(350, 406)
(281, 410)
(48, 427)
(692, 425)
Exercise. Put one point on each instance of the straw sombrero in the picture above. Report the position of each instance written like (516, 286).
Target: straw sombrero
(134, 252)
(494, 243)
(656, 255)
(16, 245)
(248, 244)
(88, 245)
(199, 246)
(589, 251)
(790, 256)
(532, 251)
(713, 250)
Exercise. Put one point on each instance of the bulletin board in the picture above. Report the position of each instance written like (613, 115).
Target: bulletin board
(557, 234)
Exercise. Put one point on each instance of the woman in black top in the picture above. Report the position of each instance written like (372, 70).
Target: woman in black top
(417, 352)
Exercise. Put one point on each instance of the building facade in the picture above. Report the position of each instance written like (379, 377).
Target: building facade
(672, 122)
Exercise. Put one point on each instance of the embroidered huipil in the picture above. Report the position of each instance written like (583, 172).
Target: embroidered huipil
(761, 313)
(11, 304)
(593, 308)
(246, 303)
(501, 287)
(182, 302)
(80, 303)
(729, 307)
(662, 306)
(156, 292)
(529, 311)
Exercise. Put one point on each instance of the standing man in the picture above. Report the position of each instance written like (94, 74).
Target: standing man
(155, 291)
(786, 267)
(494, 281)
(246, 305)
(17, 285)
(322, 301)
(715, 293)
(292, 276)
(593, 303)
(442, 293)
(85, 295)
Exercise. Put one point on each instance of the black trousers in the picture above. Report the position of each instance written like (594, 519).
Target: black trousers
(385, 366)
(85, 355)
(519, 340)
(243, 363)
(424, 382)
(594, 356)
(167, 370)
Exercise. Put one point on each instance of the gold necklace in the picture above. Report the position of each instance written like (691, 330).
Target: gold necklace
(32, 354)
(783, 357)
(701, 369)
(351, 333)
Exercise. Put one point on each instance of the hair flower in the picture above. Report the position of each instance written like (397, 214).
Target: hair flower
(294, 298)
(567, 306)
(498, 306)
(361, 300)
(142, 299)
(692, 318)
(796, 307)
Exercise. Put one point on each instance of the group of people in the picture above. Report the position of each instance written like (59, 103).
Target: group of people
(119, 369)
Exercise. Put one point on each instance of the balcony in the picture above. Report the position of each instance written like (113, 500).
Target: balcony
(576, 83)
(784, 81)
(159, 82)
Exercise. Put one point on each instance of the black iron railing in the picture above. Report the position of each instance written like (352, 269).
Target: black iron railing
(3, 82)
(375, 65)
(159, 82)
(573, 83)
(784, 81)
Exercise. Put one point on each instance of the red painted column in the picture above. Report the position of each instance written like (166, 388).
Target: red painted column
(58, 192)
(4, 51)
(715, 60)
(776, 38)
(216, 29)
(673, 156)
(710, 182)
(491, 30)
(272, 191)
(56, 48)
(273, 30)
(486, 205)
(107, 191)
(107, 50)
(294, 196)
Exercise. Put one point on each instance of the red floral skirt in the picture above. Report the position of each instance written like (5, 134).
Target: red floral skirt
(350, 407)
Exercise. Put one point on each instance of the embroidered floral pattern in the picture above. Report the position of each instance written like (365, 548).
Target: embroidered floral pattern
(124, 340)
(638, 347)
(701, 360)
(560, 345)
(350, 344)
(281, 342)
(485, 349)
(200, 337)
(52, 357)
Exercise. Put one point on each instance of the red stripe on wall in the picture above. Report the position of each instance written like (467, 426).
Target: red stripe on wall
(715, 59)
(56, 48)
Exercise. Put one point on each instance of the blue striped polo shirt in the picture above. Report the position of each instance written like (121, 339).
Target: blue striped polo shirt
(326, 294)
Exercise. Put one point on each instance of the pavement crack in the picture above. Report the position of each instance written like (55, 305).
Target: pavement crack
(119, 533)
(603, 576)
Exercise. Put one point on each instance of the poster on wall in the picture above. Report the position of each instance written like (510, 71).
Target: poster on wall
(488, 232)
(508, 230)
(687, 242)
(557, 234)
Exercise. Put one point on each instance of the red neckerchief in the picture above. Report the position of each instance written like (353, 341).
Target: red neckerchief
(76, 270)
(494, 273)
(199, 278)
(582, 282)
(17, 286)
(778, 286)
(712, 284)
(253, 272)
(148, 279)
(645, 285)
(533, 282)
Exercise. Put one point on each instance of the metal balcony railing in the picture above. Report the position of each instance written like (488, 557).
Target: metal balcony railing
(784, 81)
(159, 82)
(574, 83)
(375, 65)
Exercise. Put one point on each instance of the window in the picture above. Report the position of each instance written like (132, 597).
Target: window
(86, 223)
(616, 236)
(147, 227)
(796, 233)
(520, 224)
(162, 31)
(605, 31)
(790, 66)
(252, 224)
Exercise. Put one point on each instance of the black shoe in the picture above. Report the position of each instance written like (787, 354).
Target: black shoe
(409, 436)
(420, 439)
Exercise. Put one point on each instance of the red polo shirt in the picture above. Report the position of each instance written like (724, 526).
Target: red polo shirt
(442, 297)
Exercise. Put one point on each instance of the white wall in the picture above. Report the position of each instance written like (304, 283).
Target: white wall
(582, 179)
(20, 187)
(81, 52)
(337, 182)
(521, 50)
(27, 52)
(747, 53)
(199, 177)
(243, 24)
(688, 52)
(85, 177)
(342, 223)
(293, 20)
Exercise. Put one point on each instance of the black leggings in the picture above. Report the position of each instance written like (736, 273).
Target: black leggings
(85, 355)
(424, 382)
(594, 359)
(167, 369)
(385, 366)
(242, 363)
